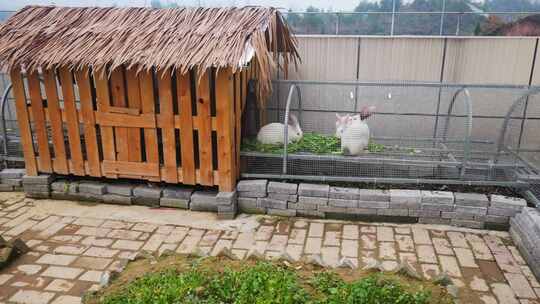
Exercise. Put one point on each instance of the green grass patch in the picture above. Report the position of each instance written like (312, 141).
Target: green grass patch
(215, 280)
(310, 143)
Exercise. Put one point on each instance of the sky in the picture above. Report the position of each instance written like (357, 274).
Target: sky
(334, 5)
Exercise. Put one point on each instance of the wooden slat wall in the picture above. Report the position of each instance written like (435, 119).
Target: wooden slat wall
(111, 113)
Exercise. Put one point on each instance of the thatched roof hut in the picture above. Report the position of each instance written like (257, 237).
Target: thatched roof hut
(179, 38)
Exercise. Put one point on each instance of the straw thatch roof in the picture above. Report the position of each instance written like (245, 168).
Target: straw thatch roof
(180, 38)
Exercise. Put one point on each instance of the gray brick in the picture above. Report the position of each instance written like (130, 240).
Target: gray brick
(373, 204)
(271, 203)
(227, 208)
(251, 194)
(345, 203)
(334, 209)
(145, 191)
(60, 186)
(12, 173)
(321, 201)
(405, 199)
(281, 212)
(283, 188)
(374, 195)
(117, 199)
(226, 198)
(393, 212)
(177, 192)
(497, 219)
(434, 221)
(310, 213)
(499, 201)
(6, 188)
(424, 213)
(455, 215)
(226, 215)
(249, 205)
(255, 185)
(438, 197)
(502, 211)
(73, 188)
(344, 193)
(174, 202)
(313, 190)
(120, 189)
(17, 182)
(435, 206)
(470, 210)
(283, 197)
(302, 206)
(467, 224)
(471, 199)
(203, 201)
(42, 179)
(62, 196)
(92, 188)
(89, 197)
(37, 195)
(362, 211)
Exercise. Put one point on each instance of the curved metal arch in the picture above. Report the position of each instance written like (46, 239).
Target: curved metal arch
(292, 88)
(467, 140)
(507, 117)
(4, 132)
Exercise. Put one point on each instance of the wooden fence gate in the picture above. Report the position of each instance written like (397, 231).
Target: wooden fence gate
(152, 125)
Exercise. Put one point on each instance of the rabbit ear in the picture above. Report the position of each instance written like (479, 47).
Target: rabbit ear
(293, 121)
(366, 112)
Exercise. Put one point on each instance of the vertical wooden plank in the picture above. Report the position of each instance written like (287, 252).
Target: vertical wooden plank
(205, 130)
(134, 102)
(72, 122)
(23, 122)
(119, 100)
(148, 107)
(225, 107)
(186, 130)
(103, 102)
(87, 111)
(60, 163)
(238, 118)
(167, 130)
(40, 128)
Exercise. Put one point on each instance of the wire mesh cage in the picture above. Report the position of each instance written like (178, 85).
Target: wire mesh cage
(418, 132)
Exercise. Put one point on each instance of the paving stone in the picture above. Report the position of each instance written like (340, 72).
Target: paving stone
(426, 254)
(92, 263)
(520, 285)
(62, 272)
(67, 300)
(93, 241)
(471, 199)
(189, 244)
(387, 251)
(245, 240)
(92, 222)
(504, 293)
(316, 230)
(278, 242)
(385, 234)
(405, 243)
(124, 234)
(350, 232)
(449, 265)
(375, 195)
(116, 224)
(4, 278)
(127, 245)
(29, 269)
(479, 284)
(298, 236)
(330, 255)
(313, 190)
(283, 188)
(437, 197)
(264, 233)
(91, 276)
(99, 252)
(344, 193)
(313, 245)
(59, 285)
(31, 297)
(349, 248)
(421, 236)
(465, 257)
(144, 227)
(332, 238)
(368, 241)
(457, 239)
(56, 259)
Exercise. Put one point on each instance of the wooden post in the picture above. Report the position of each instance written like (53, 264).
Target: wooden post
(167, 129)
(205, 131)
(186, 129)
(225, 106)
(40, 129)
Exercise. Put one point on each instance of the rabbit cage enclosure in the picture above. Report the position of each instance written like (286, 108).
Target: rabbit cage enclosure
(420, 133)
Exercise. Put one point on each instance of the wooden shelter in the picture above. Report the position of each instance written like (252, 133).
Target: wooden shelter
(154, 94)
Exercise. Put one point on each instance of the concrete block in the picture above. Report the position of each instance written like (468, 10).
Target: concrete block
(283, 197)
(145, 191)
(96, 188)
(42, 179)
(61, 185)
(17, 182)
(6, 188)
(12, 173)
(283, 188)
(436, 206)
(502, 211)
(249, 205)
(117, 199)
(497, 219)
(434, 221)
(254, 185)
(36, 188)
(333, 209)
(302, 206)
(374, 195)
(232, 208)
(424, 213)
(313, 190)
(62, 196)
(177, 192)
(226, 198)
(226, 215)
(437, 197)
(470, 210)
(362, 211)
(321, 201)
(345, 203)
(203, 201)
(37, 195)
(405, 199)
(89, 197)
(467, 224)
(251, 194)
(271, 203)
(373, 204)
(281, 212)
(393, 212)
(120, 189)
(146, 201)
(455, 215)
(344, 193)
(471, 199)
(174, 202)
(500, 201)
(310, 213)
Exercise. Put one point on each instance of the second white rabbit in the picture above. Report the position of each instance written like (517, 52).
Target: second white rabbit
(355, 137)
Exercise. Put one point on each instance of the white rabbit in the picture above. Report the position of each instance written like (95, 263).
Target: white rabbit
(273, 133)
(341, 124)
(355, 137)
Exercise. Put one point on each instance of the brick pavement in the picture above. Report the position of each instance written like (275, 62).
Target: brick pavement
(71, 253)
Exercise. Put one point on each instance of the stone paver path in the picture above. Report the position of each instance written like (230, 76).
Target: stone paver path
(73, 245)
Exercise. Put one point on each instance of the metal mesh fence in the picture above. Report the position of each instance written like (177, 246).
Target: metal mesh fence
(419, 132)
